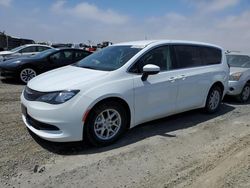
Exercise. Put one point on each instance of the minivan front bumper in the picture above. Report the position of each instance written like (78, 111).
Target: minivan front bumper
(58, 123)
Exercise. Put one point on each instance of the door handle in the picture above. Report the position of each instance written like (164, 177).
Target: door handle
(183, 77)
(172, 79)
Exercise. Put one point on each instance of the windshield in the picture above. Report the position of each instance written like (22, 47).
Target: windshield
(44, 53)
(109, 59)
(238, 61)
(17, 49)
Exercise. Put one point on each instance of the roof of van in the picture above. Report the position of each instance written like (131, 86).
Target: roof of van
(145, 43)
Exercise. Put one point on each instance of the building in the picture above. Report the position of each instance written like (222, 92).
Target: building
(8, 42)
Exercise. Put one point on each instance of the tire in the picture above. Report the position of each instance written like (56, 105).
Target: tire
(26, 74)
(245, 94)
(103, 129)
(213, 101)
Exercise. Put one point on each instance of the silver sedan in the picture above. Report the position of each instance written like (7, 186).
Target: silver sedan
(239, 80)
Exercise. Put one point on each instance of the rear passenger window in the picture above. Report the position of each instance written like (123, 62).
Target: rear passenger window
(187, 56)
(29, 49)
(81, 54)
(211, 55)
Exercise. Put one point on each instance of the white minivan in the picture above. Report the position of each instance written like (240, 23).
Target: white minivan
(122, 86)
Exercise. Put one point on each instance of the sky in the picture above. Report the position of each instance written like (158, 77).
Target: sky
(222, 22)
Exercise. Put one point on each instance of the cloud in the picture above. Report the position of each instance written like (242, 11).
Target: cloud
(5, 3)
(209, 6)
(229, 30)
(88, 11)
(236, 31)
(237, 22)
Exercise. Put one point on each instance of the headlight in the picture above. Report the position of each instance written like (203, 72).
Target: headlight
(58, 97)
(235, 76)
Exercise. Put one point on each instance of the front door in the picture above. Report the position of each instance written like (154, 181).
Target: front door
(155, 97)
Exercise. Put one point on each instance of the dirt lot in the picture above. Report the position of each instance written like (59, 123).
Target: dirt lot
(187, 150)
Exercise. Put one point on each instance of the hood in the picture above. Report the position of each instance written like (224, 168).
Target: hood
(13, 61)
(237, 69)
(6, 53)
(69, 77)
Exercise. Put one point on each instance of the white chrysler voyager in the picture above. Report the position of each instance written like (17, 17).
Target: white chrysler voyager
(124, 85)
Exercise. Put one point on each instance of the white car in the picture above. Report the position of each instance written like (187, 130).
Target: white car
(21, 51)
(239, 80)
(122, 86)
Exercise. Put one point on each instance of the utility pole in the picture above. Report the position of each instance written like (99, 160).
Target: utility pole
(7, 40)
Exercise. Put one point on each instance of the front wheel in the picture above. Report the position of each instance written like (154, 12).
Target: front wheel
(26, 74)
(106, 123)
(213, 100)
(245, 94)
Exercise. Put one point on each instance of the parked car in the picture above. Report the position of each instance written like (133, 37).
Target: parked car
(122, 86)
(27, 68)
(21, 51)
(239, 80)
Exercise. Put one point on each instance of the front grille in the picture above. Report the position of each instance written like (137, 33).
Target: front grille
(32, 95)
(39, 125)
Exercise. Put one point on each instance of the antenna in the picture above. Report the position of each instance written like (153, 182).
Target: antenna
(230, 51)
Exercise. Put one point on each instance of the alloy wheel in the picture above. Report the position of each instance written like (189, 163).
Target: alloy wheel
(246, 93)
(214, 99)
(107, 124)
(27, 74)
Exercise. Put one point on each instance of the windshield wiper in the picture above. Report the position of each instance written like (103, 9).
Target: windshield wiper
(87, 67)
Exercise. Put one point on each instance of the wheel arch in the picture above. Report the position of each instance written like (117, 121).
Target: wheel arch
(219, 84)
(216, 83)
(120, 100)
(29, 65)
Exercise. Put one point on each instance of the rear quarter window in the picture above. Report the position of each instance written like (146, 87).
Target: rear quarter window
(210, 55)
(188, 56)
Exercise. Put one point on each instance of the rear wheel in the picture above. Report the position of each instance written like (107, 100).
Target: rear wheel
(106, 123)
(26, 74)
(245, 94)
(213, 99)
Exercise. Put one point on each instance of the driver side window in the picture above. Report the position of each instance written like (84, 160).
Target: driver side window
(55, 56)
(159, 56)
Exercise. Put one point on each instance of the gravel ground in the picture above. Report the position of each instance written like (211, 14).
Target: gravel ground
(187, 150)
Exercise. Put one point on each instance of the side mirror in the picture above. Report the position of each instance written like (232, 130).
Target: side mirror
(149, 69)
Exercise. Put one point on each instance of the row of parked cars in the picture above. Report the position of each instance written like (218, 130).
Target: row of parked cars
(25, 62)
(101, 96)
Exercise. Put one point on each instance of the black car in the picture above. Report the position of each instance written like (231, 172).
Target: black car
(27, 68)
